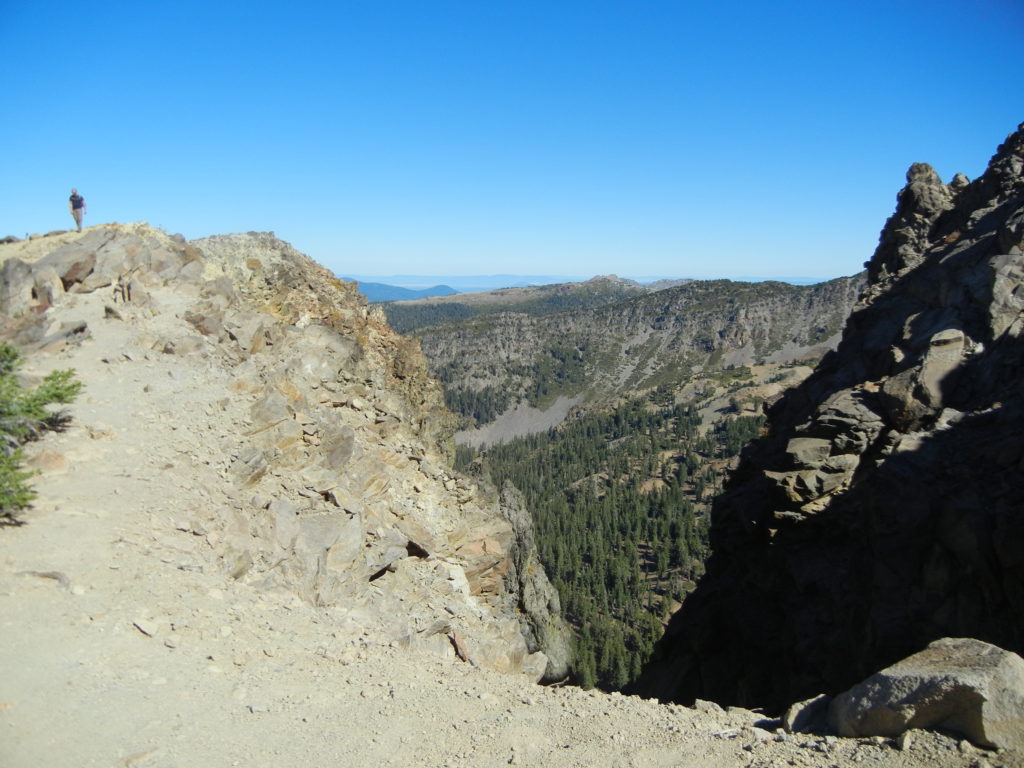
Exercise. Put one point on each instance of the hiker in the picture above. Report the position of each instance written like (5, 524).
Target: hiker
(76, 204)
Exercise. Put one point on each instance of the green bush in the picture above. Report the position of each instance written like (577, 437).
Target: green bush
(25, 415)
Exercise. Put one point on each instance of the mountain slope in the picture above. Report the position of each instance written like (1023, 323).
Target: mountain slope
(599, 354)
(883, 510)
(408, 316)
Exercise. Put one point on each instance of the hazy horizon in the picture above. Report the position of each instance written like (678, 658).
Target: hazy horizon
(495, 281)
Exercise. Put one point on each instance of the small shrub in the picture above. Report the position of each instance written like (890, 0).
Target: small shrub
(25, 415)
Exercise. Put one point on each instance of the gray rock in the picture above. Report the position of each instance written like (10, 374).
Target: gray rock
(76, 260)
(16, 284)
(269, 410)
(808, 452)
(708, 707)
(337, 446)
(48, 286)
(809, 716)
(248, 329)
(534, 597)
(286, 523)
(221, 288)
(208, 322)
(958, 684)
(249, 466)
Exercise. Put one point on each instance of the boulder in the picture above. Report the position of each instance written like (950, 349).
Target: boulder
(337, 446)
(269, 410)
(248, 329)
(16, 284)
(75, 261)
(208, 322)
(809, 716)
(48, 287)
(959, 684)
(249, 466)
(285, 521)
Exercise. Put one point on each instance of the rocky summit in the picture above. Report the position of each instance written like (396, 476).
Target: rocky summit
(882, 510)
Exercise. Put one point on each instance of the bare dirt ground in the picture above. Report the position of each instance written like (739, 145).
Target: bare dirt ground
(121, 646)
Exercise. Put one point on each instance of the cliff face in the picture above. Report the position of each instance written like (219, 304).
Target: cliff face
(597, 354)
(883, 508)
(319, 471)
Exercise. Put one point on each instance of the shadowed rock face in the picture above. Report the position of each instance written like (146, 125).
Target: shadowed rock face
(883, 509)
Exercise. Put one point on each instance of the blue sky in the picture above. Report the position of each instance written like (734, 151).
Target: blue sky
(677, 139)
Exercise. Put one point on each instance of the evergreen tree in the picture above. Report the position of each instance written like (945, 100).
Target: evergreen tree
(25, 414)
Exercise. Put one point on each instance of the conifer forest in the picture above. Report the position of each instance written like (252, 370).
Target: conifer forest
(620, 506)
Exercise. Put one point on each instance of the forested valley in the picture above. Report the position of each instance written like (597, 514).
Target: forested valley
(619, 501)
(665, 387)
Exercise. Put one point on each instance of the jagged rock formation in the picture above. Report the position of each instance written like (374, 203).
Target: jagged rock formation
(329, 481)
(883, 509)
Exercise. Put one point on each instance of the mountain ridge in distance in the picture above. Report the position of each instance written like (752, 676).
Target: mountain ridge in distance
(480, 283)
(388, 292)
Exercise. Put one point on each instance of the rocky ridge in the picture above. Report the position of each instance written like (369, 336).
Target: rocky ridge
(881, 511)
(325, 480)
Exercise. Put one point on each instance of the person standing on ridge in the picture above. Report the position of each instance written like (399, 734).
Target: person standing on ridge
(76, 204)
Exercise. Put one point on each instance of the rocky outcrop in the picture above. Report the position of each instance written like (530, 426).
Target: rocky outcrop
(537, 600)
(882, 510)
(337, 486)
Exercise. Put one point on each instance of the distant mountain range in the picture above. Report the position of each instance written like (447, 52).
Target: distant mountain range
(385, 292)
(460, 283)
(432, 285)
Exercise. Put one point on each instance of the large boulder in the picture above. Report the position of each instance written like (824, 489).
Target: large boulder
(957, 684)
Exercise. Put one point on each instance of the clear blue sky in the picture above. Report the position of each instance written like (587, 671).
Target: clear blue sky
(439, 137)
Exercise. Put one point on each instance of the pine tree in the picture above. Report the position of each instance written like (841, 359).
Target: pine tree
(25, 415)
